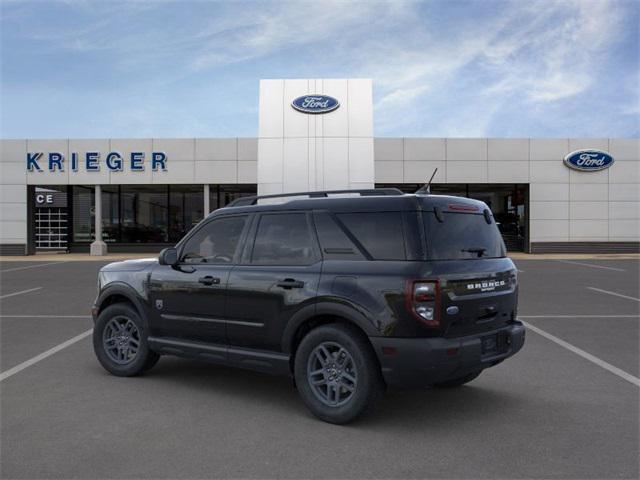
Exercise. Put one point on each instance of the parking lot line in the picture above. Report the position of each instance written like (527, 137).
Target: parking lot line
(613, 293)
(19, 293)
(18, 368)
(572, 316)
(586, 355)
(33, 266)
(592, 266)
(45, 316)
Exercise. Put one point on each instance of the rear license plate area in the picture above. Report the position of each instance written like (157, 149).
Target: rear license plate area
(495, 344)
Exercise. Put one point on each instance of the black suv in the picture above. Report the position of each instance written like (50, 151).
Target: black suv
(348, 292)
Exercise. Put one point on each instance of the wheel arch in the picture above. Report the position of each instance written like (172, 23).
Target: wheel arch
(316, 315)
(120, 293)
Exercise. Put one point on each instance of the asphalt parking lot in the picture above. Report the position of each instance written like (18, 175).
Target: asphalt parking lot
(565, 407)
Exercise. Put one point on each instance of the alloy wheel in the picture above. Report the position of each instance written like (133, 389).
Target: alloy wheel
(332, 374)
(121, 340)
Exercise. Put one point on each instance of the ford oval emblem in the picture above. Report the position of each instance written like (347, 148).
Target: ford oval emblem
(315, 104)
(588, 160)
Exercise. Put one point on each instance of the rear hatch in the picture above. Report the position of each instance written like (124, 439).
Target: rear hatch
(477, 282)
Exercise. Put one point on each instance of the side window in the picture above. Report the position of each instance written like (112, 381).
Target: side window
(380, 233)
(283, 239)
(336, 245)
(216, 242)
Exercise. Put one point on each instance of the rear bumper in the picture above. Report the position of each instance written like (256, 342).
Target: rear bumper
(416, 362)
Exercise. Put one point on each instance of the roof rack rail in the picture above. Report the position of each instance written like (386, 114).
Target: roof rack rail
(370, 192)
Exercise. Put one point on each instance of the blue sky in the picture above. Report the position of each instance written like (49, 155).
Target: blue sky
(182, 69)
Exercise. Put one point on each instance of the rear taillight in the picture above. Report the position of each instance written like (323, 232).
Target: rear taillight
(423, 301)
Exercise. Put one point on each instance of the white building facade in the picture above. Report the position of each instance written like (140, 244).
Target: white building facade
(314, 134)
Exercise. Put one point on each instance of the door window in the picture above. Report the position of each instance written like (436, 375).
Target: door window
(216, 242)
(283, 239)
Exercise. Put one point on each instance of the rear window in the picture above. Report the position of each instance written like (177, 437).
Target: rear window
(380, 233)
(462, 236)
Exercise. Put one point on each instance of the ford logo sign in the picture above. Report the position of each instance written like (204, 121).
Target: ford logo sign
(315, 104)
(588, 160)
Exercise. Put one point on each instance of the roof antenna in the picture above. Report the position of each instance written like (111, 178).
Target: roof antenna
(426, 188)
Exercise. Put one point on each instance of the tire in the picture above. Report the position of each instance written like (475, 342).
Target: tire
(458, 382)
(120, 341)
(347, 384)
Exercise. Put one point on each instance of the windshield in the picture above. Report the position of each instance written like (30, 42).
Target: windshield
(462, 236)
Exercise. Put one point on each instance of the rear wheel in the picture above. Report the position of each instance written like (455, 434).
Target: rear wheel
(120, 341)
(457, 382)
(337, 374)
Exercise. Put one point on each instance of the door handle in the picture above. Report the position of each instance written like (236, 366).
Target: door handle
(209, 280)
(289, 283)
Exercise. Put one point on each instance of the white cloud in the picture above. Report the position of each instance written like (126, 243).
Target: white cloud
(537, 53)
(554, 56)
(257, 32)
(436, 71)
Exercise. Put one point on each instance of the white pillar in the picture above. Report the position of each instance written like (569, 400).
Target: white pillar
(98, 247)
(300, 152)
(206, 200)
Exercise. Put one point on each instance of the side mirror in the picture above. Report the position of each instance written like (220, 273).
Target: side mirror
(168, 256)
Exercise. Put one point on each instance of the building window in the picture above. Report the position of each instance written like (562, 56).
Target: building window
(222, 195)
(83, 200)
(144, 213)
(186, 209)
(147, 213)
(110, 214)
(83, 211)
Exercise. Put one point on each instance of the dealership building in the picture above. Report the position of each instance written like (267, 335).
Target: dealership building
(547, 194)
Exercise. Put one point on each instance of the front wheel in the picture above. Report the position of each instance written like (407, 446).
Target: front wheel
(337, 374)
(120, 341)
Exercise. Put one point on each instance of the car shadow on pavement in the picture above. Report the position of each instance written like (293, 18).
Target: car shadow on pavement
(441, 408)
(399, 409)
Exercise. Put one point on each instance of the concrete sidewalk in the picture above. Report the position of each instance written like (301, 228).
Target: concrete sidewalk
(573, 256)
(75, 257)
(85, 257)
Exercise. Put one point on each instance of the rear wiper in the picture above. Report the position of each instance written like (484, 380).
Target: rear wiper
(480, 251)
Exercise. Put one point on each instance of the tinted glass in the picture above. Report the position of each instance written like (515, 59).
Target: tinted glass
(216, 242)
(186, 209)
(110, 213)
(222, 195)
(144, 213)
(84, 210)
(462, 236)
(283, 239)
(381, 234)
(335, 243)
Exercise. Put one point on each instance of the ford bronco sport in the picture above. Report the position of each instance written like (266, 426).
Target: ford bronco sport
(348, 292)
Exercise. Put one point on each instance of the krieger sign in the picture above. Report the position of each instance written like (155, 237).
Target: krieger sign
(91, 161)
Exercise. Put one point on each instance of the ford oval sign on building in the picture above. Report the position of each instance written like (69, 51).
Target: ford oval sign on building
(315, 104)
(588, 160)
